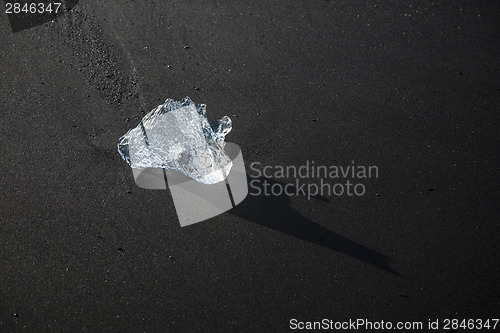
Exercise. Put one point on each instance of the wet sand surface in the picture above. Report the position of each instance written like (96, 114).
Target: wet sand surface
(411, 87)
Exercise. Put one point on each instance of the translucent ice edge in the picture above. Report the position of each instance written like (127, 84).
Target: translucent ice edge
(177, 135)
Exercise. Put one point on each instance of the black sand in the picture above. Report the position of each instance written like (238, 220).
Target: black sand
(409, 86)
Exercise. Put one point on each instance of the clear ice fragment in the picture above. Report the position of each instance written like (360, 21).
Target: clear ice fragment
(177, 135)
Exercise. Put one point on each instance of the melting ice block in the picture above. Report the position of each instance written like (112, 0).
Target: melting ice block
(177, 135)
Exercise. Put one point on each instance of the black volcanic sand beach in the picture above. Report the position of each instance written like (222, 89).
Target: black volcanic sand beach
(411, 87)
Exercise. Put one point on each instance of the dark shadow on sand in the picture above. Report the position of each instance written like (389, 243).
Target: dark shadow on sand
(276, 212)
(36, 14)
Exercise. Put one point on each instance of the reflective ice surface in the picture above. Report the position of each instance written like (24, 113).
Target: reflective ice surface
(177, 135)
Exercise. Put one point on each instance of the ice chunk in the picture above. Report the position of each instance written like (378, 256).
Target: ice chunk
(177, 135)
